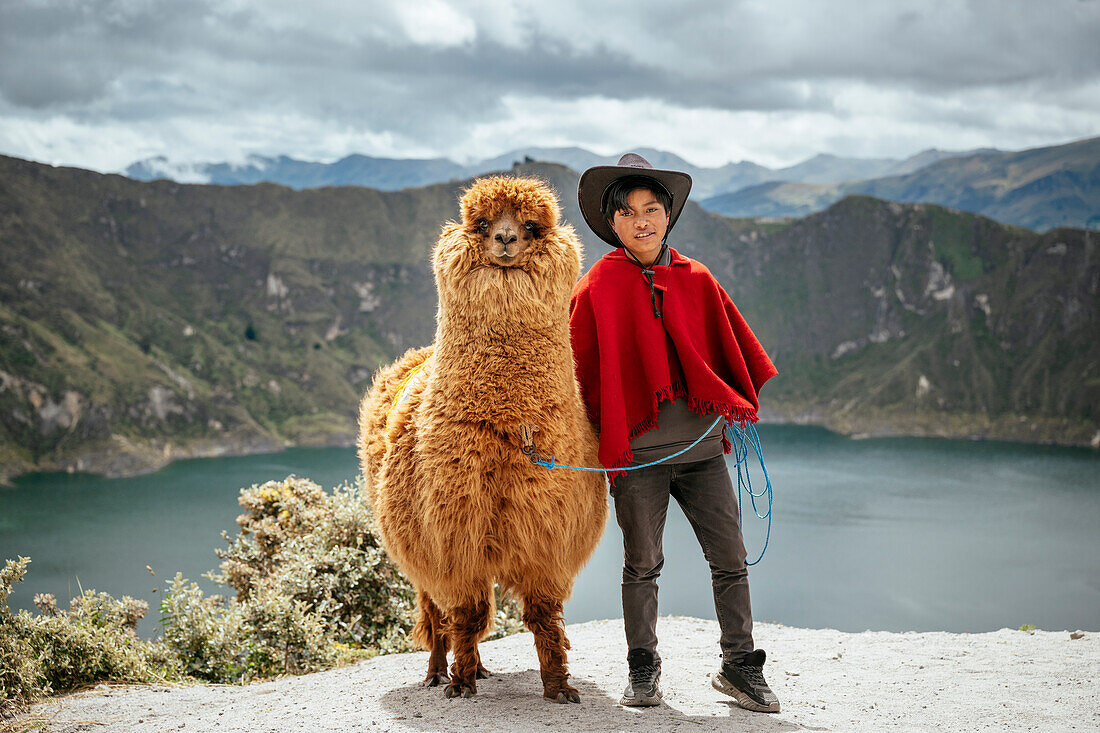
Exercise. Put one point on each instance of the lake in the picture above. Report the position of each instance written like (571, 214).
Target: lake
(887, 534)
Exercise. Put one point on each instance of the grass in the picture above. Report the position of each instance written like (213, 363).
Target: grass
(953, 235)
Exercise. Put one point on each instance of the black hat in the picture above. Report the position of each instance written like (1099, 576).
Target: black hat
(594, 182)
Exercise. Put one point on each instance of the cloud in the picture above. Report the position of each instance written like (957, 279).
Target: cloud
(435, 23)
(236, 77)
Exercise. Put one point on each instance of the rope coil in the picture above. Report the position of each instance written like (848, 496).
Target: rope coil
(745, 437)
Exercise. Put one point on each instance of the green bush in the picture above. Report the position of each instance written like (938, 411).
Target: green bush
(201, 633)
(283, 635)
(19, 667)
(312, 585)
(268, 634)
(319, 550)
(58, 650)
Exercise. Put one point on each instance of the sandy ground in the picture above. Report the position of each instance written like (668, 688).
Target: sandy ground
(825, 680)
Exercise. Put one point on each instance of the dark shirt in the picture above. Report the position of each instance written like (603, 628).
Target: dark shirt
(677, 428)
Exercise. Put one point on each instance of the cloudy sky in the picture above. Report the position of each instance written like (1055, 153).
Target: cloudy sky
(101, 83)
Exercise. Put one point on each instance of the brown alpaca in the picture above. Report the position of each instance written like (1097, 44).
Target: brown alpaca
(457, 503)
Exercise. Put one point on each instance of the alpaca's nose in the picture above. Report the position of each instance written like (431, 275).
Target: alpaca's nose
(505, 247)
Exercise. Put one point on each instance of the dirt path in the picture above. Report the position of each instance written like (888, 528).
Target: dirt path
(825, 680)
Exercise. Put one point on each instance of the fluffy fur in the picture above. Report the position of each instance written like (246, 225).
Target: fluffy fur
(457, 503)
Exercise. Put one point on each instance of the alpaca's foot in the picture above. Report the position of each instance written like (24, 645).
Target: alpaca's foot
(459, 689)
(434, 679)
(562, 694)
(543, 617)
(465, 625)
(483, 673)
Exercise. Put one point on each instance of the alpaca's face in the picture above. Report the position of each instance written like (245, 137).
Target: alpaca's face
(505, 219)
(507, 224)
(509, 252)
(507, 238)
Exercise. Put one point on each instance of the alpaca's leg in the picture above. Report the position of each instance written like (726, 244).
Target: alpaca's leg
(466, 624)
(429, 634)
(542, 616)
(482, 673)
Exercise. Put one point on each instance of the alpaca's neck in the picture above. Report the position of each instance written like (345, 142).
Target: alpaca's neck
(502, 372)
(465, 343)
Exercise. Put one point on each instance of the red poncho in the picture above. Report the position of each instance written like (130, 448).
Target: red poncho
(628, 360)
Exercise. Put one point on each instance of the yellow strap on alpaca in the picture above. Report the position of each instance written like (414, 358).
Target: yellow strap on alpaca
(400, 394)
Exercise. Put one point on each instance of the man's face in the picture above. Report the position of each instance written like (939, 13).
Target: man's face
(642, 225)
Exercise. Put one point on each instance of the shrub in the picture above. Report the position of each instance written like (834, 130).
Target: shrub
(19, 668)
(201, 633)
(59, 650)
(319, 550)
(312, 586)
(283, 635)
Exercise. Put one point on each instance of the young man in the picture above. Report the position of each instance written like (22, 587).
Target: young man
(661, 351)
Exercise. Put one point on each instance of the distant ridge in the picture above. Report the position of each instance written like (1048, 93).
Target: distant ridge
(387, 174)
(1040, 189)
(391, 174)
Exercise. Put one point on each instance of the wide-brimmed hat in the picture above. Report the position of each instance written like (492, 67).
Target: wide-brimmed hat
(594, 182)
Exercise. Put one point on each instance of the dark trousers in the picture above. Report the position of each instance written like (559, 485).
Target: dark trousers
(706, 495)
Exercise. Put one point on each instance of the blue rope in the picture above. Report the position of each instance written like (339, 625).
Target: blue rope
(744, 480)
(539, 461)
(744, 438)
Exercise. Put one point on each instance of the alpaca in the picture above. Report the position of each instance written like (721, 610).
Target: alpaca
(458, 504)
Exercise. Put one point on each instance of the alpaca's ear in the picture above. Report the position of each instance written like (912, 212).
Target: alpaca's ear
(563, 240)
(450, 249)
(466, 212)
(468, 203)
(548, 208)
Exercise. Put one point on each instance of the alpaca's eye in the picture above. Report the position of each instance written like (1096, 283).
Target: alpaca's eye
(483, 225)
(531, 226)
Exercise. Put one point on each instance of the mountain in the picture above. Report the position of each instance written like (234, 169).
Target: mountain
(925, 158)
(141, 322)
(820, 169)
(145, 321)
(1039, 189)
(824, 168)
(889, 318)
(388, 174)
(391, 174)
(775, 199)
(573, 157)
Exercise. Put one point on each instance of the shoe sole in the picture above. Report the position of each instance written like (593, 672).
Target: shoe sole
(723, 685)
(645, 701)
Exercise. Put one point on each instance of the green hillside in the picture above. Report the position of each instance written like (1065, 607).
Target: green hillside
(900, 319)
(141, 322)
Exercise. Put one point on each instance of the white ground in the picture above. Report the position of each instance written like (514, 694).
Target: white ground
(825, 680)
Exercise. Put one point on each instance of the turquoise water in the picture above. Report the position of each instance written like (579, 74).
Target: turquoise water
(885, 534)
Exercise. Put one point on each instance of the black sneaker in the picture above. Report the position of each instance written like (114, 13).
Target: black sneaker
(744, 682)
(645, 671)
